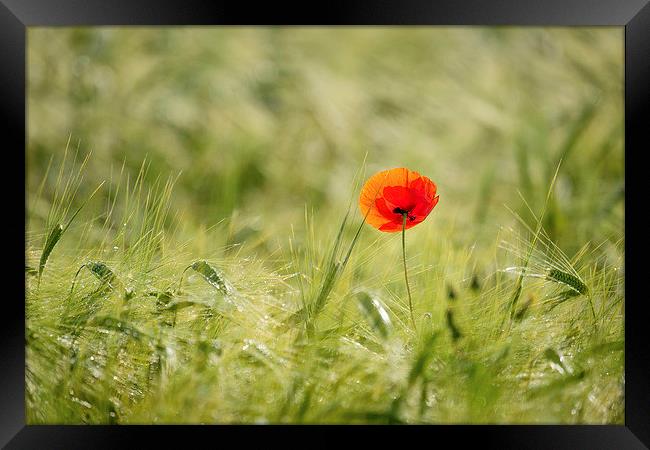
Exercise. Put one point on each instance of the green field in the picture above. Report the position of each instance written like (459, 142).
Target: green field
(192, 202)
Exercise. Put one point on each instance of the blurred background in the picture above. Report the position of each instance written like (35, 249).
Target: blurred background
(263, 122)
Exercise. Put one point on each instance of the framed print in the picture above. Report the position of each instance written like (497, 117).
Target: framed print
(408, 217)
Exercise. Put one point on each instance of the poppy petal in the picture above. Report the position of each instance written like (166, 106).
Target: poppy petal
(397, 188)
(400, 197)
(391, 227)
(425, 187)
(424, 208)
(384, 210)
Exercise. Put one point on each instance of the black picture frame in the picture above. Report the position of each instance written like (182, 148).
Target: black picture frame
(633, 15)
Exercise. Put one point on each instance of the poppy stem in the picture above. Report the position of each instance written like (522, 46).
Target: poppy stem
(406, 277)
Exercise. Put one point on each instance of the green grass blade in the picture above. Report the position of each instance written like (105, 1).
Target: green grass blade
(520, 279)
(375, 313)
(57, 232)
(451, 325)
(102, 272)
(52, 238)
(213, 276)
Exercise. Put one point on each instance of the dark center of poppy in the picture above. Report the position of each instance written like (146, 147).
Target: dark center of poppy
(403, 212)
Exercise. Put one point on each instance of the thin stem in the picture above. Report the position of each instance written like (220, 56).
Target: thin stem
(406, 277)
(593, 311)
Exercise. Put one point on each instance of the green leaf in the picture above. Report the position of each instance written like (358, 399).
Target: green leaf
(451, 324)
(214, 277)
(181, 304)
(557, 361)
(57, 232)
(112, 324)
(102, 272)
(50, 242)
(375, 313)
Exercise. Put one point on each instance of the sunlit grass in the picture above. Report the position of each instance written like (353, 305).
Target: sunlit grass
(217, 269)
(139, 337)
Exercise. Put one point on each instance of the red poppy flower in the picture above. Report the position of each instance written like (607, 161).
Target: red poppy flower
(390, 194)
